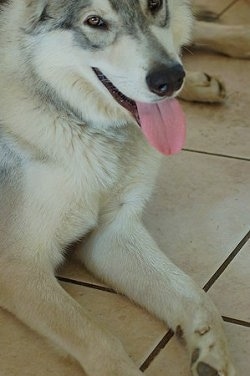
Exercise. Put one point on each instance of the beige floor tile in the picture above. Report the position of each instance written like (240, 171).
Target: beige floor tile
(238, 14)
(24, 353)
(200, 211)
(76, 271)
(138, 330)
(222, 129)
(231, 292)
(173, 360)
(239, 341)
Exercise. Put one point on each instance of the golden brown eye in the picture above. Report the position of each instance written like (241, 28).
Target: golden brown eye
(95, 21)
(154, 5)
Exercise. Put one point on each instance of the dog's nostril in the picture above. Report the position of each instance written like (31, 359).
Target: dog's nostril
(165, 80)
(163, 88)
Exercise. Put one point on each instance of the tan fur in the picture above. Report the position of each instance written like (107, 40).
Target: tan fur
(230, 40)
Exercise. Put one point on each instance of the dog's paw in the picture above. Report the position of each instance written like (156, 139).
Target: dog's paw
(201, 87)
(210, 357)
(203, 331)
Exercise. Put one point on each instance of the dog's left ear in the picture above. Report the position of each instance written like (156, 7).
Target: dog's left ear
(35, 11)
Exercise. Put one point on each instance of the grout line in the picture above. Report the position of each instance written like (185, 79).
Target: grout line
(86, 284)
(106, 289)
(230, 5)
(216, 154)
(226, 263)
(236, 321)
(161, 345)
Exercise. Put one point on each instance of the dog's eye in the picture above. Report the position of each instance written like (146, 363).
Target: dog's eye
(154, 5)
(96, 21)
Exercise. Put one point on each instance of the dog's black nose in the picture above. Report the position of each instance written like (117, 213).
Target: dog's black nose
(164, 80)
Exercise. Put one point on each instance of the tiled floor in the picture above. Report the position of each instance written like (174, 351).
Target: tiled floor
(202, 203)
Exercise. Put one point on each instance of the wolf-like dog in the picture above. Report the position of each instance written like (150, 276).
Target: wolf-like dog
(87, 95)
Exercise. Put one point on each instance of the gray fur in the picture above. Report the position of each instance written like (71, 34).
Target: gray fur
(10, 163)
(74, 164)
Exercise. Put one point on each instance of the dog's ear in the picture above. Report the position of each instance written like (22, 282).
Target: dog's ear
(35, 11)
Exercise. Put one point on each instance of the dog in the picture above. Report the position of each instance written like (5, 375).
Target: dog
(87, 96)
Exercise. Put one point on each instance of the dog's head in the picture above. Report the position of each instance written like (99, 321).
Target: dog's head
(102, 56)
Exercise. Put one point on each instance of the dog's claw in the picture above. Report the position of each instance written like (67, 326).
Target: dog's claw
(203, 331)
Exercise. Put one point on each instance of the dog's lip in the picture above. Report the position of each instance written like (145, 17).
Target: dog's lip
(128, 103)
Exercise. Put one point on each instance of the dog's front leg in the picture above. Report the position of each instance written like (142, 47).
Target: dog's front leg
(230, 40)
(35, 297)
(124, 255)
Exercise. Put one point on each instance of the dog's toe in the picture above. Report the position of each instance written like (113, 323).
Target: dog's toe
(209, 351)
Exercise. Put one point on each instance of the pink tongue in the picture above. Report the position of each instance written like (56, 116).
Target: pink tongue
(163, 125)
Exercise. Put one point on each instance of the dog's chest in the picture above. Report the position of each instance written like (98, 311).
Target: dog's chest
(95, 174)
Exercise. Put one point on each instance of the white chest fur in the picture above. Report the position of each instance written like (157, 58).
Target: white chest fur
(89, 172)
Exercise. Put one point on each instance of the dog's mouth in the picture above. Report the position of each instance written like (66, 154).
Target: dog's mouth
(121, 98)
(163, 123)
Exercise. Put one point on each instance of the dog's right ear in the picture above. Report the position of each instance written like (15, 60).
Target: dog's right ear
(35, 11)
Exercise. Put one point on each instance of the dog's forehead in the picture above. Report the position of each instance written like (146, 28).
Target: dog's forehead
(130, 11)
(131, 5)
(125, 8)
